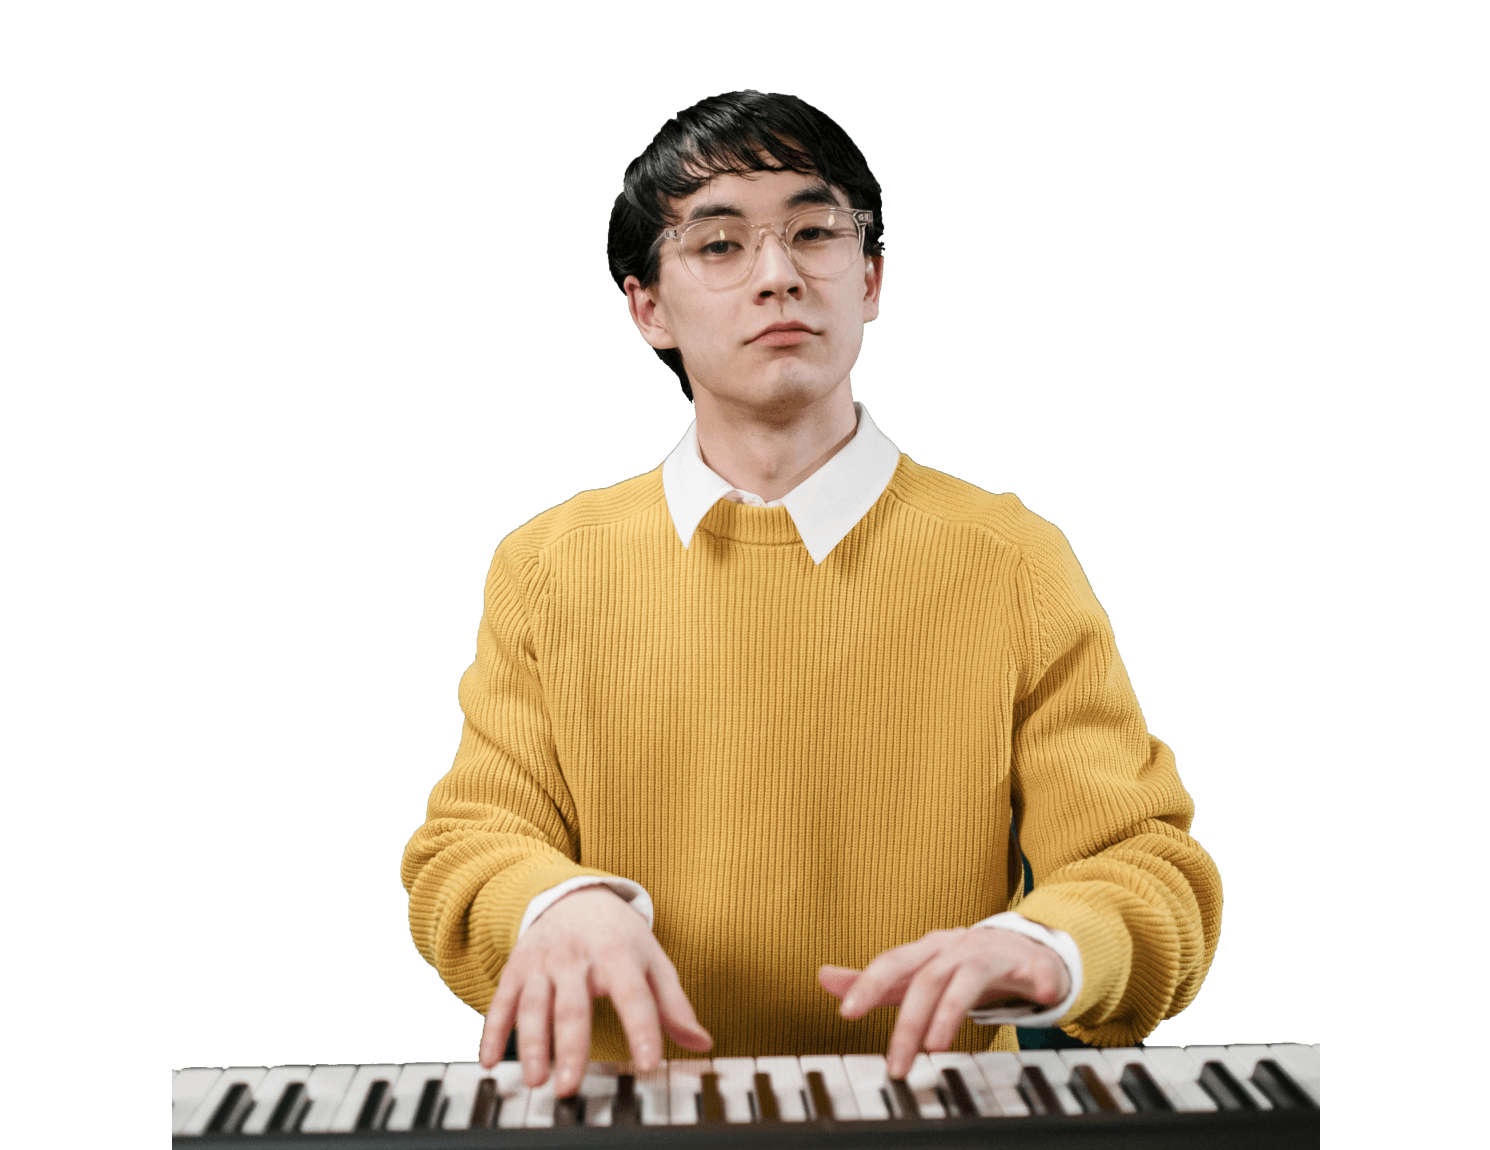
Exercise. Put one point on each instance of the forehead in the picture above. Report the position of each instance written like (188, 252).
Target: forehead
(757, 196)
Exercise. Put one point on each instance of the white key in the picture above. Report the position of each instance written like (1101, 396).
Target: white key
(188, 1088)
(267, 1095)
(963, 1063)
(787, 1083)
(514, 1094)
(540, 1105)
(923, 1081)
(1250, 1055)
(462, 1079)
(1001, 1071)
(1204, 1054)
(1302, 1064)
(357, 1094)
(409, 1090)
(249, 1076)
(1121, 1057)
(598, 1089)
(835, 1082)
(1182, 1073)
(652, 1095)
(736, 1082)
(683, 1088)
(324, 1090)
(1056, 1072)
(1104, 1071)
(866, 1074)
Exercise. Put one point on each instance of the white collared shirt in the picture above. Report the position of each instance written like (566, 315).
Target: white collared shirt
(824, 507)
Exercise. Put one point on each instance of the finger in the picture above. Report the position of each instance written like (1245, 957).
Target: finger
(677, 1015)
(921, 996)
(837, 980)
(884, 980)
(631, 995)
(571, 1029)
(966, 986)
(499, 1019)
(533, 1019)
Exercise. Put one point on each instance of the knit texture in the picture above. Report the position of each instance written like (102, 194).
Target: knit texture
(811, 764)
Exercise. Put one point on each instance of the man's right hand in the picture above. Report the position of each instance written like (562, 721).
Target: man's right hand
(589, 944)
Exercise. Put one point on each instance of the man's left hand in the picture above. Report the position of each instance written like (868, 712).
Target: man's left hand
(938, 978)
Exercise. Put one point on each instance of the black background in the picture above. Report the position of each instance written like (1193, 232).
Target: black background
(411, 344)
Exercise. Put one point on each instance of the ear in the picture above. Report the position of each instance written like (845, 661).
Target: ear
(874, 277)
(647, 313)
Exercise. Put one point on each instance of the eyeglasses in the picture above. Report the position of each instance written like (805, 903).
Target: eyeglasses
(721, 250)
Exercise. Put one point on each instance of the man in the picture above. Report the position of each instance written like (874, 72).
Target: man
(745, 736)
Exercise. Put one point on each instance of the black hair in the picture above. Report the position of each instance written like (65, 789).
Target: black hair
(731, 134)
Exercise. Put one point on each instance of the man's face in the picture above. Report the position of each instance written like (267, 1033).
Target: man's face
(723, 332)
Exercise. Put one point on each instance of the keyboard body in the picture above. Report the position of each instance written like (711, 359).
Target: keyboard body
(1210, 1096)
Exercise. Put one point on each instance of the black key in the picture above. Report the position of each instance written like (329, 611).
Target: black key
(962, 1097)
(1218, 1082)
(569, 1111)
(821, 1102)
(905, 1098)
(284, 1115)
(1037, 1092)
(626, 1110)
(765, 1098)
(1086, 1085)
(370, 1117)
(429, 1101)
(710, 1103)
(1279, 1089)
(232, 1110)
(1141, 1088)
(488, 1105)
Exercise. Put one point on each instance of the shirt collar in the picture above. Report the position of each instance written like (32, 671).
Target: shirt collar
(824, 507)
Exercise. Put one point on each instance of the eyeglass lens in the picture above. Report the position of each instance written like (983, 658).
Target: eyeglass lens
(822, 242)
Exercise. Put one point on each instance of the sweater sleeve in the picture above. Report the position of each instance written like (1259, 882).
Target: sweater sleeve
(1104, 820)
(501, 825)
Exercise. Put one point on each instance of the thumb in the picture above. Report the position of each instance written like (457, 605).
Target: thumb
(837, 980)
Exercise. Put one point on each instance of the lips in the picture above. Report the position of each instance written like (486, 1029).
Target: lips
(781, 334)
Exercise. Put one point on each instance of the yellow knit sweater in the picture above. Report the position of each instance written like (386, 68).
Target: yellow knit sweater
(811, 764)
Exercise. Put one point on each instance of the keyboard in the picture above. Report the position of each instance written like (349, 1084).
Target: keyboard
(1152, 1096)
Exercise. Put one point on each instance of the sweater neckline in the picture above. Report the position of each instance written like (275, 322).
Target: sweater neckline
(745, 524)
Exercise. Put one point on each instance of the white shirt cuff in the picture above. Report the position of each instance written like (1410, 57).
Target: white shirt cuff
(1060, 942)
(632, 892)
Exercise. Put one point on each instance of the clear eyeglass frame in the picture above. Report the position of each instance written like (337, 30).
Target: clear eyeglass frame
(862, 217)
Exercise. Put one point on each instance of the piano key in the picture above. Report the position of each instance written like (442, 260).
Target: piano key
(458, 1091)
(788, 1083)
(653, 1096)
(540, 1113)
(486, 1108)
(1302, 1064)
(924, 1080)
(349, 1115)
(836, 1084)
(207, 1110)
(819, 1104)
(1274, 1080)
(709, 1102)
(1183, 1073)
(1057, 1074)
(979, 1095)
(684, 1085)
(598, 1088)
(866, 1074)
(1001, 1070)
(188, 1088)
(1095, 1095)
(1038, 1092)
(408, 1090)
(513, 1096)
(625, 1110)
(324, 1091)
(736, 1080)
(1204, 1054)
(766, 1109)
(270, 1093)
(1098, 1065)
(1143, 1090)
(1120, 1058)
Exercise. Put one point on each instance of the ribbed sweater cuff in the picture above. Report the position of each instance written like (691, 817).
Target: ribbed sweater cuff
(1102, 939)
(502, 914)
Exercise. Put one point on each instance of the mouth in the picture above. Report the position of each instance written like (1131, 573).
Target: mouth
(782, 337)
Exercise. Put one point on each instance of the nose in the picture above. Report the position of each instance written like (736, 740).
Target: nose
(775, 273)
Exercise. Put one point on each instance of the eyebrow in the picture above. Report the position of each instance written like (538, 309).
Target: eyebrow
(818, 193)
